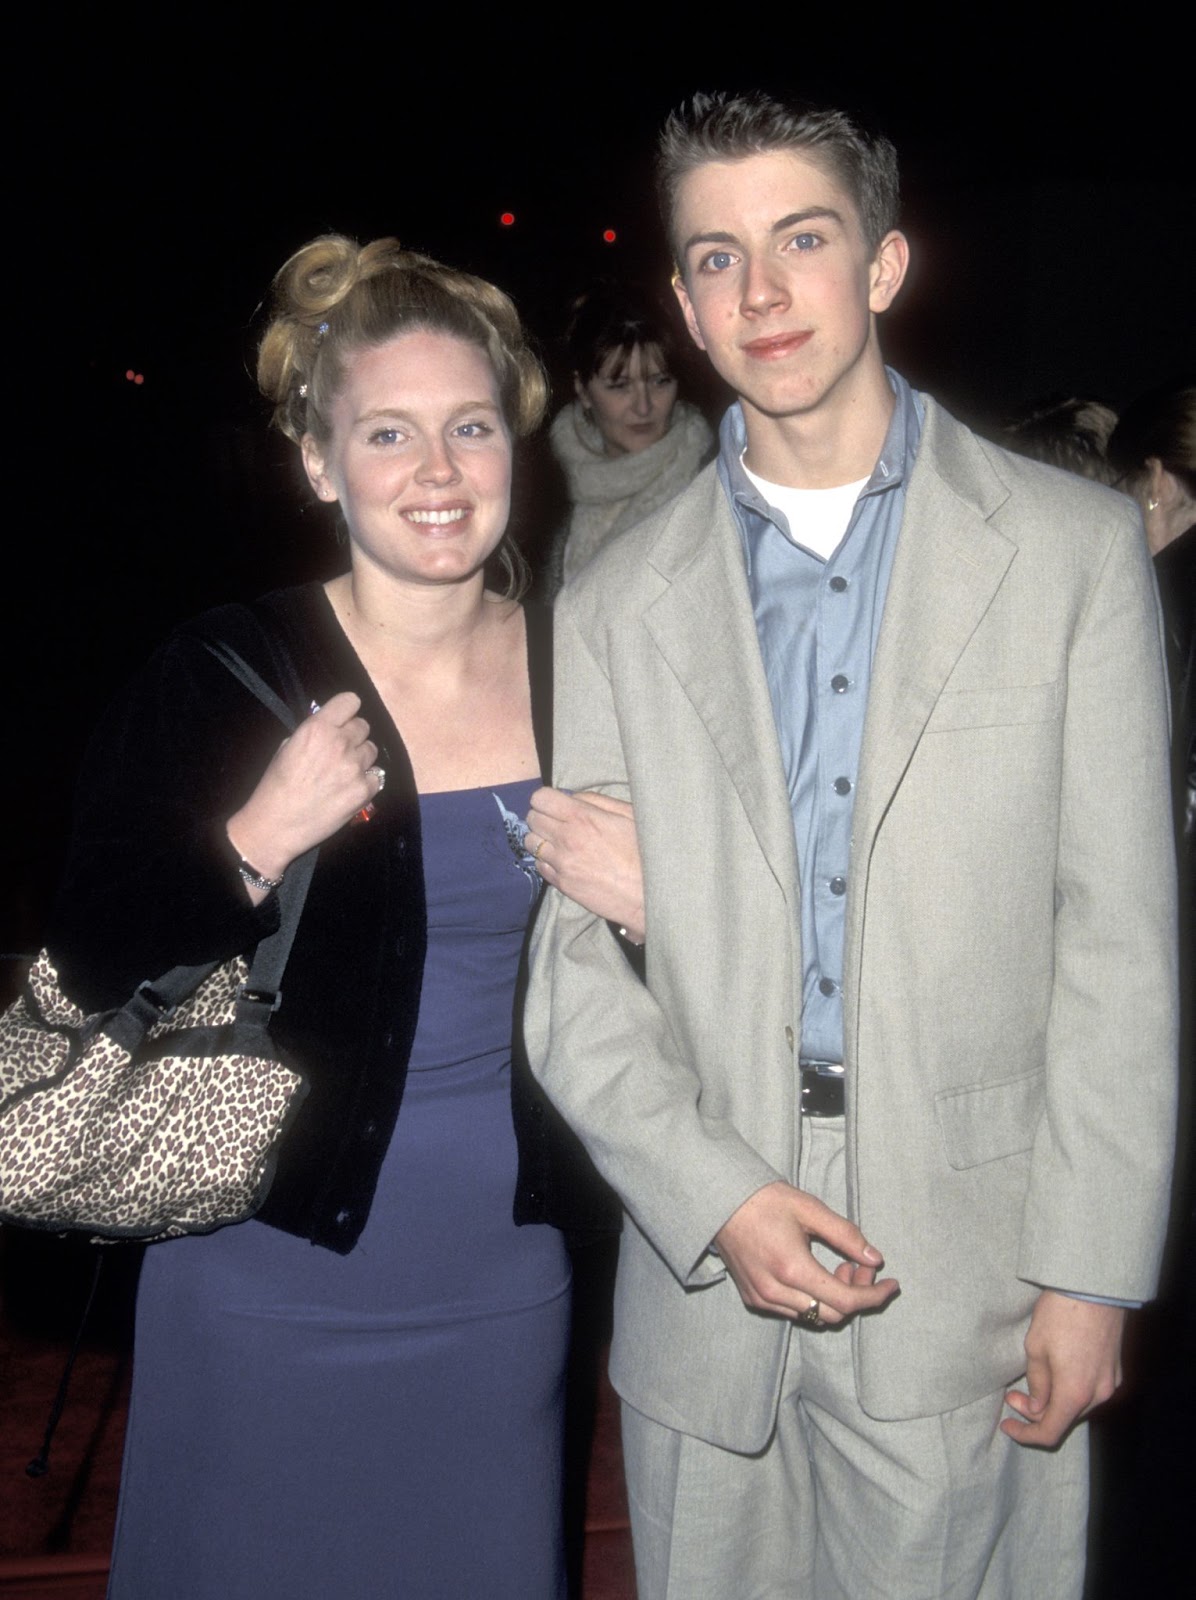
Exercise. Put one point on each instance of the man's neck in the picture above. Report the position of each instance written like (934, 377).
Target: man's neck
(836, 442)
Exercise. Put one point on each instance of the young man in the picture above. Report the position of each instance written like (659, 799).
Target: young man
(888, 704)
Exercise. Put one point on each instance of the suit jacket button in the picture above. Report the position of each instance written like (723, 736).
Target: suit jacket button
(789, 1036)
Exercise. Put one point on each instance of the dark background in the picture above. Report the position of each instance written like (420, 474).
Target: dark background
(162, 168)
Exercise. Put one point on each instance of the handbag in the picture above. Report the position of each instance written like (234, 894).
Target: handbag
(160, 1117)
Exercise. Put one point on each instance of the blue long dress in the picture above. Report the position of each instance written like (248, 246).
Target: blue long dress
(386, 1423)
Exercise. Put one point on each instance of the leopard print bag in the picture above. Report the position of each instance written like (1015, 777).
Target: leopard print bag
(144, 1123)
(161, 1117)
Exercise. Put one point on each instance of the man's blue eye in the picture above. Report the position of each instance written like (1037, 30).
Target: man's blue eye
(475, 430)
(384, 436)
(719, 261)
(807, 241)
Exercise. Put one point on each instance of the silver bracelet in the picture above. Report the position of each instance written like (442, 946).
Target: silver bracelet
(256, 879)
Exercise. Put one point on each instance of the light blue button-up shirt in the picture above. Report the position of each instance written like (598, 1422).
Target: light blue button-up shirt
(818, 622)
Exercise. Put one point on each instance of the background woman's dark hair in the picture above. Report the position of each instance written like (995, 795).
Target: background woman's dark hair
(1159, 425)
(610, 318)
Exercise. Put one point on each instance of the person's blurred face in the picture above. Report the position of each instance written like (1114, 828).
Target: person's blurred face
(631, 399)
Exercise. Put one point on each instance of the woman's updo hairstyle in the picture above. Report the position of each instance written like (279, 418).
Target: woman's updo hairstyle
(335, 297)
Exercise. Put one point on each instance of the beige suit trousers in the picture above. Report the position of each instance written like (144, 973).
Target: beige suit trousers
(842, 1507)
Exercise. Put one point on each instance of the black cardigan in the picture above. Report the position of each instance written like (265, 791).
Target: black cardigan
(152, 882)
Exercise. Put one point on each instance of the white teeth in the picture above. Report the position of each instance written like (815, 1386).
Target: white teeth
(437, 518)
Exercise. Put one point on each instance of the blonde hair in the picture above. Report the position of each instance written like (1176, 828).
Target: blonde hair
(335, 297)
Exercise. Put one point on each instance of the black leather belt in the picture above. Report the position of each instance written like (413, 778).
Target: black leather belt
(821, 1089)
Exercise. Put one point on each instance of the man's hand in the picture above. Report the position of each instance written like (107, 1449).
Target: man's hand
(765, 1246)
(1073, 1363)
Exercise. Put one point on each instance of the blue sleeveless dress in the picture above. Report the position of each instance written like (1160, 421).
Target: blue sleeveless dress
(387, 1423)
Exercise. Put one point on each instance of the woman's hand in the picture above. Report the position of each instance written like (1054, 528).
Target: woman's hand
(319, 778)
(585, 846)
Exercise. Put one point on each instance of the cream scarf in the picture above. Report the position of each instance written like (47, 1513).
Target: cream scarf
(612, 493)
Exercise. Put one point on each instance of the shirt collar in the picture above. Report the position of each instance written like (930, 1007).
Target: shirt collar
(893, 465)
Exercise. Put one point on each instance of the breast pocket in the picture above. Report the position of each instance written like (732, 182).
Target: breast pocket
(994, 707)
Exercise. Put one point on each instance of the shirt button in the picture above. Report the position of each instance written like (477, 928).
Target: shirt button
(838, 583)
(838, 886)
(789, 1036)
(840, 684)
(826, 986)
(842, 786)
(342, 1218)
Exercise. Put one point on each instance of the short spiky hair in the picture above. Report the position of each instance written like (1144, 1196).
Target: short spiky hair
(727, 127)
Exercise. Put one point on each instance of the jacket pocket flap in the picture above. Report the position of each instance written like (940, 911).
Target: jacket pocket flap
(987, 1121)
(994, 708)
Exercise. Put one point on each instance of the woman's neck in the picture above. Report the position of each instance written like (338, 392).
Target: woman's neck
(415, 624)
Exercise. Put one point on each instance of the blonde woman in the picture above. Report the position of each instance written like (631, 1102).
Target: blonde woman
(359, 1391)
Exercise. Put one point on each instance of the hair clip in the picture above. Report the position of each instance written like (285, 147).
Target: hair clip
(321, 330)
(303, 391)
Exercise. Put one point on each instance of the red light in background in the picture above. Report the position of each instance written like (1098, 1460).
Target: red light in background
(609, 235)
(507, 219)
(130, 374)
(134, 377)
(140, 378)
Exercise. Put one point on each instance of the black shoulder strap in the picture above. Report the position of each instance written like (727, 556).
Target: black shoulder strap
(272, 954)
(256, 684)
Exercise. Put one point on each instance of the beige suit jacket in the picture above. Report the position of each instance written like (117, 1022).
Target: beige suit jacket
(1008, 982)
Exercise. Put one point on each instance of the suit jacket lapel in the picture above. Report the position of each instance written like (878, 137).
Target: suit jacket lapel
(704, 628)
(948, 566)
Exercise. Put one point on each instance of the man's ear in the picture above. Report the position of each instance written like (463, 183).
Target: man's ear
(313, 465)
(887, 272)
(687, 310)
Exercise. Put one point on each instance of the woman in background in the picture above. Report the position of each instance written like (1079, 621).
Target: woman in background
(626, 443)
(358, 1392)
(1153, 453)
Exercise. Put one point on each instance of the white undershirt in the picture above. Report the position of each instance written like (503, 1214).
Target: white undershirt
(817, 518)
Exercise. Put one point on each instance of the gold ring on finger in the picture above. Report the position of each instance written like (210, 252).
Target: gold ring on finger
(811, 1317)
